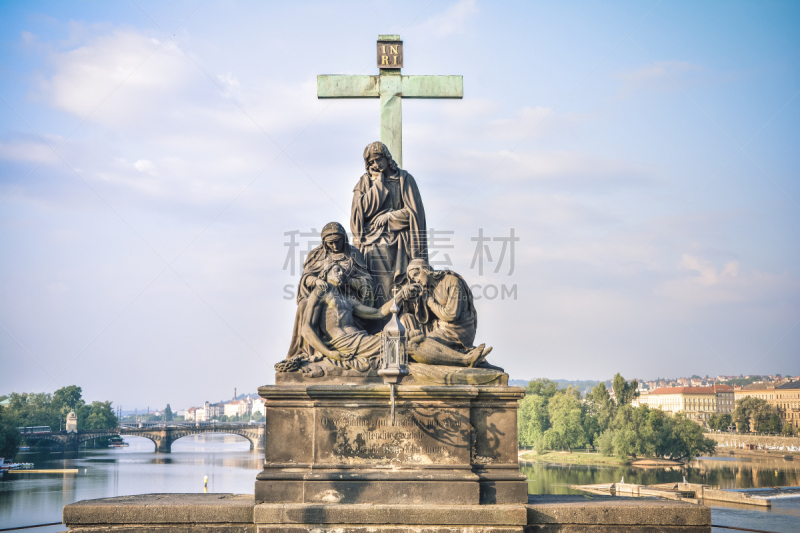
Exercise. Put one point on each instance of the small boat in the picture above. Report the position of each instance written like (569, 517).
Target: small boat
(5, 467)
(117, 442)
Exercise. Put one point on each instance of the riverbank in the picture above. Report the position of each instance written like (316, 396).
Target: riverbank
(582, 458)
(573, 458)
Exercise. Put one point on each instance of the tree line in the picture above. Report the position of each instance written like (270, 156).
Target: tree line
(45, 409)
(551, 418)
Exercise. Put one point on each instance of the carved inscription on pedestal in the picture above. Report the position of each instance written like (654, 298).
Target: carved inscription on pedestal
(419, 436)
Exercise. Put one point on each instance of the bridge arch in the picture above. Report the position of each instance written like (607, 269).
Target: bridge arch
(55, 439)
(163, 437)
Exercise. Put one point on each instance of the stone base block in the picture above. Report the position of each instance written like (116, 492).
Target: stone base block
(494, 492)
(373, 492)
(231, 513)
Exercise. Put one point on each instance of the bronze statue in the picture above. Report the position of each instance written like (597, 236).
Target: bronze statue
(335, 249)
(387, 220)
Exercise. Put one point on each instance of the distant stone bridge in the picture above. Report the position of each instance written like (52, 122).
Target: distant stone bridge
(162, 435)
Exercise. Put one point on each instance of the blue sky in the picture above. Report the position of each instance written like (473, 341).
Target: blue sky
(645, 154)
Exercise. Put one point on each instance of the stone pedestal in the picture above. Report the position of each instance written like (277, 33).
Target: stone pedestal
(335, 444)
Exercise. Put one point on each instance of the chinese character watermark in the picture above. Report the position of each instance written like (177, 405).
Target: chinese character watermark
(481, 249)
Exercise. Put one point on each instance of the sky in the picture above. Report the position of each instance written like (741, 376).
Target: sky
(156, 158)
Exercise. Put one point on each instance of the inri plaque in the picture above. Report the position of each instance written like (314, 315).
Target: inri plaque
(390, 53)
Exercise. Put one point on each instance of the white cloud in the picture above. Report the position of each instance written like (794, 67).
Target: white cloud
(709, 284)
(122, 72)
(143, 165)
(537, 122)
(25, 151)
(567, 169)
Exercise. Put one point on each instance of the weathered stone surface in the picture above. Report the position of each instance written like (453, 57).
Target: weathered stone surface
(599, 510)
(326, 436)
(171, 528)
(228, 513)
(216, 509)
(474, 515)
(583, 528)
(310, 528)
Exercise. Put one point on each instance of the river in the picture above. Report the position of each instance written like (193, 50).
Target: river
(28, 499)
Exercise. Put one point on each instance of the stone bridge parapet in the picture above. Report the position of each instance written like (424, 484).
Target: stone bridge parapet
(162, 436)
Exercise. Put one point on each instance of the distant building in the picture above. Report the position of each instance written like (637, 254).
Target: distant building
(237, 408)
(642, 399)
(190, 414)
(787, 402)
(698, 403)
(259, 406)
(760, 389)
(785, 398)
(212, 410)
(726, 399)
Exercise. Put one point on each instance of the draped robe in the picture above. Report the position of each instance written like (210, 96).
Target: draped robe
(388, 249)
(354, 267)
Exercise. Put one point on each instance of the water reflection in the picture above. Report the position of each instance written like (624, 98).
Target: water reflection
(27, 499)
(724, 472)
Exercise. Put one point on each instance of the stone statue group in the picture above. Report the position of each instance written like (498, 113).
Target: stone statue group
(346, 290)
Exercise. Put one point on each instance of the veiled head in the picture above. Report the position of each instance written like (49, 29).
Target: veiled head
(334, 237)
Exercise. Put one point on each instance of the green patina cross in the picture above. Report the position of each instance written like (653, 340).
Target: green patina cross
(391, 88)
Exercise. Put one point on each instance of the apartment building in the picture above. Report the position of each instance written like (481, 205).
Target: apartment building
(698, 403)
(787, 402)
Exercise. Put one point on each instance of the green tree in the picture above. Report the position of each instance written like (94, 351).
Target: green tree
(605, 442)
(633, 435)
(542, 387)
(772, 424)
(720, 422)
(9, 437)
(687, 440)
(68, 398)
(623, 391)
(99, 415)
(532, 420)
(599, 412)
(566, 421)
(755, 414)
(168, 413)
(34, 409)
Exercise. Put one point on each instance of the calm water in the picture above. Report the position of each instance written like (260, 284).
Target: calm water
(725, 472)
(27, 499)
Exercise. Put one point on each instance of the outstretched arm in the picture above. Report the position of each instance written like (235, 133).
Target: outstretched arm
(311, 321)
(371, 313)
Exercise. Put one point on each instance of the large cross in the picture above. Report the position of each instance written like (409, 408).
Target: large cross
(391, 88)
